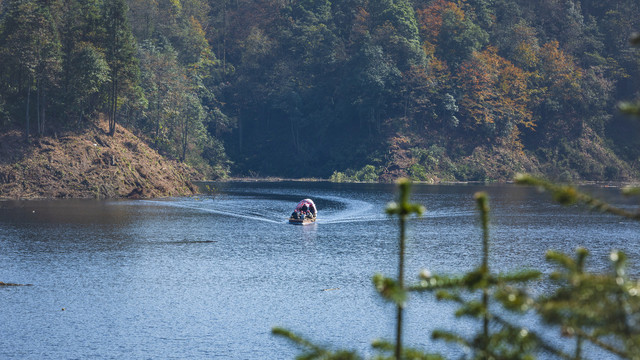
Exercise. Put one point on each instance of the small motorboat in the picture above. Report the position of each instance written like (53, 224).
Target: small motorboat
(304, 214)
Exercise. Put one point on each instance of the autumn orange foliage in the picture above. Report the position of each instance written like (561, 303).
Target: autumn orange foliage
(561, 71)
(495, 92)
(430, 21)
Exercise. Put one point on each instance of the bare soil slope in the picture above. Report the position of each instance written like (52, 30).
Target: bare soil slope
(88, 165)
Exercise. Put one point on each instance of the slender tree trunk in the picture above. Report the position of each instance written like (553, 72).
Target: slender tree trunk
(44, 110)
(114, 80)
(111, 104)
(224, 39)
(114, 104)
(185, 139)
(398, 353)
(27, 116)
(240, 134)
(38, 95)
(295, 135)
(160, 122)
(112, 130)
(41, 105)
(483, 205)
(157, 121)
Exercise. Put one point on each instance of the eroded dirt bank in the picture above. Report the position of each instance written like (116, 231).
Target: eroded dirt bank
(88, 165)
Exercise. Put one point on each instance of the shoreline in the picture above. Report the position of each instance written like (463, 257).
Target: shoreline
(604, 184)
(199, 184)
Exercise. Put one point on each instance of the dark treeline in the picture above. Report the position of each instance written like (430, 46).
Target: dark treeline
(146, 65)
(361, 89)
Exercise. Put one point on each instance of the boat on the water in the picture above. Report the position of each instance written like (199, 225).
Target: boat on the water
(305, 213)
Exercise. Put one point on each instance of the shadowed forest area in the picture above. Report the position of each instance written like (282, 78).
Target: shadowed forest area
(364, 90)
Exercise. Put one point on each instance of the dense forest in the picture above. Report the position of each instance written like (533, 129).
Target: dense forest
(352, 90)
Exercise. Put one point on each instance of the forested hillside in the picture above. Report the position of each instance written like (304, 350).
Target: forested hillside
(353, 89)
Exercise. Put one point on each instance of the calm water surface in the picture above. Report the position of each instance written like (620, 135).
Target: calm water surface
(205, 277)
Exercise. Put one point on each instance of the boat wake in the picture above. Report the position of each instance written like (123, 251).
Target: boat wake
(275, 208)
(220, 209)
(243, 214)
(352, 211)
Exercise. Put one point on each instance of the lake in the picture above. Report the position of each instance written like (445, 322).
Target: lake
(208, 277)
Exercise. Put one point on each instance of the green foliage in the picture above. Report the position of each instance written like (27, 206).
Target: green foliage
(601, 309)
(335, 74)
(387, 352)
(498, 338)
(632, 108)
(569, 195)
(395, 28)
(417, 172)
(459, 37)
(429, 162)
(389, 289)
(120, 56)
(368, 173)
(403, 207)
(313, 351)
(90, 74)
(338, 177)
(30, 55)
(607, 317)
(301, 88)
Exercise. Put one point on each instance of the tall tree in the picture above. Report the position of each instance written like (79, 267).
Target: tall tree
(190, 123)
(120, 55)
(394, 27)
(89, 75)
(561, 96)
(449, 32)
(85, 70)
(163, 82)
(30, 53)
(144, 18)
(49, 61)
